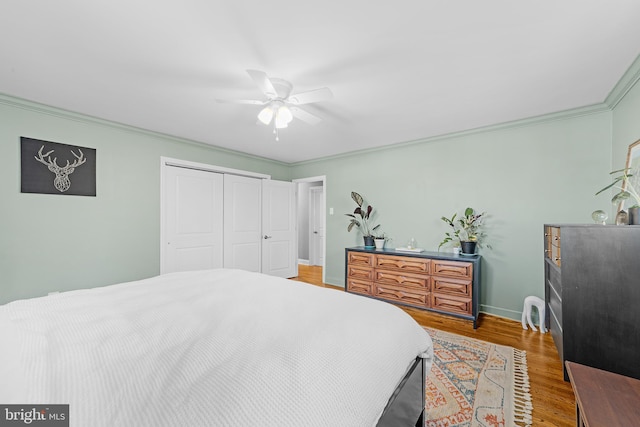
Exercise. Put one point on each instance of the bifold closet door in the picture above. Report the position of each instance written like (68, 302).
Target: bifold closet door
(242, 222)
(193, 215)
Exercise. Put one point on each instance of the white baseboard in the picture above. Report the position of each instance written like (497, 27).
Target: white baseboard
(501, 312)
(303, 261)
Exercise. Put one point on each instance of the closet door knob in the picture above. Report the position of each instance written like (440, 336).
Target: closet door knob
(267, 237)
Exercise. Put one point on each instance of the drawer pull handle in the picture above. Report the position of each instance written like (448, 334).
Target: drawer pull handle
(557, 258)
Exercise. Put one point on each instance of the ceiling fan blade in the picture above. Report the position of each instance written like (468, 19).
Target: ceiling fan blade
(262, 80)
(315, 95)
(240, 101)
(305, 116)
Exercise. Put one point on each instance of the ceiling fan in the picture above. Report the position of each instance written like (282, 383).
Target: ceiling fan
(280, 105)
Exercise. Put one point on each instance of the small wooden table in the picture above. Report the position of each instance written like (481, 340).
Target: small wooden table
(604, 398)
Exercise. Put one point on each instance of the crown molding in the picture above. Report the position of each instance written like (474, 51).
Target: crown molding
(36, 107)
(545, 118)
(625, 84)
(628, 80)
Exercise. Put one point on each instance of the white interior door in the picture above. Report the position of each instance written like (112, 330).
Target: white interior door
(279, 241)
(316, 226)
(242, 222)
(193, 219)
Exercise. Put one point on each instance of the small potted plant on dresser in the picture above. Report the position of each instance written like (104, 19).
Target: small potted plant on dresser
(628, 182)
(360, 218)
(380, 240)
(467, 230)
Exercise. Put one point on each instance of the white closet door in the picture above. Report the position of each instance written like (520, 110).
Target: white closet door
(193, 201)
(242, 222)
(280, 243)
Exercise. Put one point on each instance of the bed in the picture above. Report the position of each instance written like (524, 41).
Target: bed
(217, 347)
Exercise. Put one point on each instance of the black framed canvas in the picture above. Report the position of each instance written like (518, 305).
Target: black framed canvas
(53, 168)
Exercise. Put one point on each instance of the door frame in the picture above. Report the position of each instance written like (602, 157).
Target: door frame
(312, 214)
(323, 179)
(166, 162)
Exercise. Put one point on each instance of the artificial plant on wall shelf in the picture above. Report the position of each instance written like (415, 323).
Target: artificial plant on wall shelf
(360, 218)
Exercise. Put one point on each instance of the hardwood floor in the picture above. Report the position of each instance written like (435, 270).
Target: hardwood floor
(553, 400)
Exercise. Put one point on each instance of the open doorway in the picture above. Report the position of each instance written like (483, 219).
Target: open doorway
(311, 222)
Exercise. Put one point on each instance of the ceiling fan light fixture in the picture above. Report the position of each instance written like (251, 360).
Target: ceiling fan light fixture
(276, 109)
(280, 123)
(285, 113)
(266, 115)
(283, 117)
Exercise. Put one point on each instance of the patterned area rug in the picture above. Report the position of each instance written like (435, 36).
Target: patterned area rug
(476, 383)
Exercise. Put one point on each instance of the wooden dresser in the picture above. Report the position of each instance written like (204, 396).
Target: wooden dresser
(604, 398)
(592, 295)
(434, 281)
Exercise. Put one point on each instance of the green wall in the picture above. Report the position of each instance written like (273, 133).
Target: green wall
(57, 242)
(626, 115)
(523, 175)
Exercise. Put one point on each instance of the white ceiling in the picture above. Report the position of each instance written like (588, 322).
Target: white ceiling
(399, 71)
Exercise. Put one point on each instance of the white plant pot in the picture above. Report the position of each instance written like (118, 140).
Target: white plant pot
(379, 243)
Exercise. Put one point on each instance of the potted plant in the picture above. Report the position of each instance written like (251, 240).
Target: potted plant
(467, 230)
(628, 182)
(380, 240)
(360, 218)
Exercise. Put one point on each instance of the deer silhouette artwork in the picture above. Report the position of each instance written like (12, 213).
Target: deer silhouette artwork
(61, 181)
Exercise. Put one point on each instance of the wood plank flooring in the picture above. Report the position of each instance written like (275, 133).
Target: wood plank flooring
(553, 400)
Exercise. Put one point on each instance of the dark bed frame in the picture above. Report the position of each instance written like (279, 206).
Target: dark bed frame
(406, 405)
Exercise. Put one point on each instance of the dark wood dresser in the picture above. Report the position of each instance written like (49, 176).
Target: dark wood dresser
(435, 281)
(592, 294)
(604, 398)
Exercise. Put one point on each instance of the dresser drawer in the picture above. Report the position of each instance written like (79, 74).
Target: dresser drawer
(401, 263)
(452, 268)
(451, 304)
(552, 249)
(360, 259)
(555, 306)
(401, 279)
(451, 286)
(554, 278)
(360, 286)
(556, 333)
(555, 256)
(554, 236)
(410, 296)
(362, 273)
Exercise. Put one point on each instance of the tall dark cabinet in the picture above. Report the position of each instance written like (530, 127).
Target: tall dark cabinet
(592, 294)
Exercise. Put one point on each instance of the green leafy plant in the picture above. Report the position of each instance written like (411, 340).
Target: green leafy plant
(467, 228)
(626, 182)
(361, 216)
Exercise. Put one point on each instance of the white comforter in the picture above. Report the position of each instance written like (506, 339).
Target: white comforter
(208, 348)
